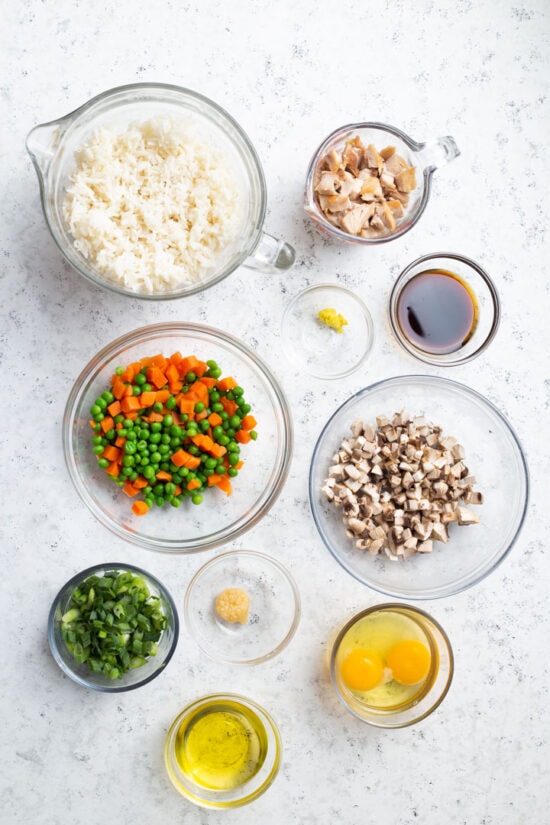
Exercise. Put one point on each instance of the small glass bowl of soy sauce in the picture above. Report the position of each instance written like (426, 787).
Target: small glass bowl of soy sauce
(444, 309)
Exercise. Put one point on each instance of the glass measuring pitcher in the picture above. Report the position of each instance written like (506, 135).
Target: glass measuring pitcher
(53, 147)
(425, 157)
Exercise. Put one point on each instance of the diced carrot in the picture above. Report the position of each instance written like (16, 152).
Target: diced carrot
(174, 387)
(207, 445)
(155, 417)
(225, 485)
(111, 453)
(242, 436)
(120, 441)
(114, 408)
(198, 392)
(130, 404)
(139, 508)
(171, 373)
(162, 396)
(147, 399)
(162, 475)
(208, 382)
(201, 416)
(156, 377)
(113, 469)
(192, 364)
(226, 384)
(181, 458)
(92, 423)
(213, 479)
(175, 358)
(127, 391)
(229, 406)
(140, 483)
(130, 490)
(132, 416)
(248, 422)
(131, 371)
(214, 419)
(107, 424)
(177, 491)
(186, 406)
(238, 466)
(159, 361)
(193, 484)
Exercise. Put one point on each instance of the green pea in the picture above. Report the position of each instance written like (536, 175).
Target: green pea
(233, 458)
(130, 447)
(245, 408)
(165, 438)
(199, 407)
(235, 422)
(141, 446)
(97, 439)
(214, 395)
(220, 469)
(147, 387)
(148, 471)
(133, 475)
(131, 435)
(193, 449)
(218, 431)
(253, 435)
(111, 434)
(156, 427)
(98, 449)
(212, 364)
(217, 407)
(190, 377)
(168, 421)
(119, 370)
(154, 438)
(175, 501)
(204, 425)
(223, 440)
(164, 449)
(169, 488)
(237, 391)
(99, 417)
(230, 432)
(175, 442)
(157, 407)
(128, 423)
(136, 390)
(232, 472)
(139, 379)
(215, 372)
(149, 501)
(118, 419)
(104, 463)
(101, 403)
(196, 498)
(95, 410)
(171, 403)
(159, 501)
(175, 430)
(128, 461)
(224, 416)
(210, 462)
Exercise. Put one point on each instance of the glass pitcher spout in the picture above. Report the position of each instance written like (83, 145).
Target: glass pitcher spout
(42, 143)
(438, 152)
(271, 255)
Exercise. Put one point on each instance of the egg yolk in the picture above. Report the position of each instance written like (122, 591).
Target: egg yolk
(409, 661)
(362, 669)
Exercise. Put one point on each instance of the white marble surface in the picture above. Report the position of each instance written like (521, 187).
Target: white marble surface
(289, 72)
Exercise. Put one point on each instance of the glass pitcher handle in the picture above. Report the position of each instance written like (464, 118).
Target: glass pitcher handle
(438, 153)
(271, 255)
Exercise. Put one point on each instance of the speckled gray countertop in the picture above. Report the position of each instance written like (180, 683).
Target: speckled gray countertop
(289, 73)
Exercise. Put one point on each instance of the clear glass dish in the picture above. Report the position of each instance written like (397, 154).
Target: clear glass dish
(81, 673)
(52, 147)
(425, 157)
(321, 351)
(220, 518)
(274, 611)
(235, 714)
(486, 299)
(494, 456)
(431, 694)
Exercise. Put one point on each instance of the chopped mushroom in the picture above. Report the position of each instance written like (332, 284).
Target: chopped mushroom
(400, 485)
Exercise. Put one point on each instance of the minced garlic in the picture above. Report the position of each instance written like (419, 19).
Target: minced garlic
(233, 605)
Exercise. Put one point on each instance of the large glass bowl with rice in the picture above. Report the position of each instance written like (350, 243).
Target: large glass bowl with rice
(154, 191)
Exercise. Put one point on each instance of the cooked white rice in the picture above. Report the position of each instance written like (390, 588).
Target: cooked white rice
(152, 207)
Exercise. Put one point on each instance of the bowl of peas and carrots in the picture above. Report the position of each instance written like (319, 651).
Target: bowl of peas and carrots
(177, 437)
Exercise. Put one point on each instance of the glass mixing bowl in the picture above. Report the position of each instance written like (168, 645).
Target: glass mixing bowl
(274, 610)
(493, 455)
(133, 678)
(421, 702)
(219, 518)
(222, 751)
(53, 146)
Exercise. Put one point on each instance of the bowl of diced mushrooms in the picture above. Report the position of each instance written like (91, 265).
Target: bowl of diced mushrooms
(369, 183)
(418, 486)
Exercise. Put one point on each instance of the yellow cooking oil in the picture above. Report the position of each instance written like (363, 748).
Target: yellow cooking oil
(221, 746)
(387, 659)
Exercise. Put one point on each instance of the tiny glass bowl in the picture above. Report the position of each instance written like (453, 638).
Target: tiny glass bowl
(220, 518)
(236, 715)
(273, 615)
(134, 678)
(485, 299)
(422, 701)
(493, 455)
(322, 351)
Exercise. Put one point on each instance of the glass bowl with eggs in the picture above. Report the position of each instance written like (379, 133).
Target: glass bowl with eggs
(154, 191)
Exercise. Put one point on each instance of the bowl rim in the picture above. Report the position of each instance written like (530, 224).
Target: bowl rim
(317, 214)
(433, 358)
(149, 332)
(239, 699)
(65, 122)
(448, 590)
(272, 562)
(334, 652)
(79, 578)
(370, 332)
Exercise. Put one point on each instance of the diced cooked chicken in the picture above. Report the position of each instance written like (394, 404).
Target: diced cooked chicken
(360, 173)
(355, 218)
(406, 180)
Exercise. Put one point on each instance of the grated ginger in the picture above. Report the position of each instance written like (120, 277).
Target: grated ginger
(332, 319)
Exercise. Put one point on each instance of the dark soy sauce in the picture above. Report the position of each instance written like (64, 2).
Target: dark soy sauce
(437, 311)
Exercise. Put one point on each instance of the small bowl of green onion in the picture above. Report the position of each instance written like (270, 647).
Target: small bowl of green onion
(113, 628)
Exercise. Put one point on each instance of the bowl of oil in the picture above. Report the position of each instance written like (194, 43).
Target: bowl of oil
(222, 751)
(391, 665)
(444, 309)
